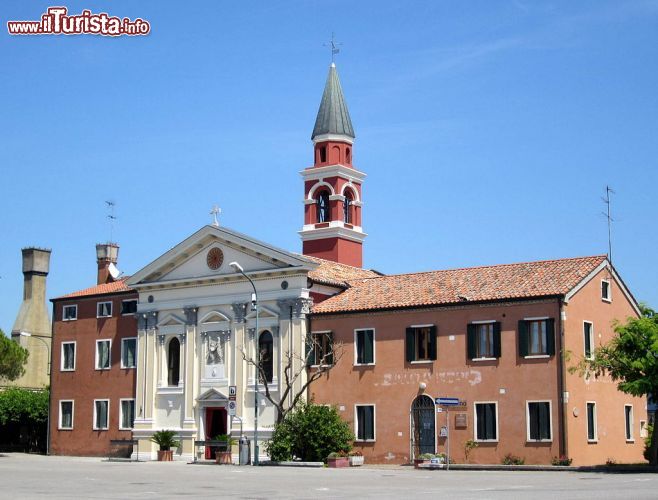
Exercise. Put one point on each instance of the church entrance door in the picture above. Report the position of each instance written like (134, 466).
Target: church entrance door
(215, 424)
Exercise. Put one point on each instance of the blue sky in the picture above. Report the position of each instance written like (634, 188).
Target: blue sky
(488, 131)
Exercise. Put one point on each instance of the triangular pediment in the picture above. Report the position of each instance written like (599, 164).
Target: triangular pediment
(206, 255)
(214, 317)
(213, 395)
(263, 313)
(171, 320)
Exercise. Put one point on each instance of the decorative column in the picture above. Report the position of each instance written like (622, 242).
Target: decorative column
(239, 337)
(191, 384)
(151, 363)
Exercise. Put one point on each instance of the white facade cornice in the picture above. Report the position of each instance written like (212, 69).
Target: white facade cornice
(333, 137)
(311, 233)
(338, 170)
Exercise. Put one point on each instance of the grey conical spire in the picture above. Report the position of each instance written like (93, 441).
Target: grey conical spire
(333, 116)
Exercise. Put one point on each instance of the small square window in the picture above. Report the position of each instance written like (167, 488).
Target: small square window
(128, 307)
(605, 290)
(104, 310)
(70, 313)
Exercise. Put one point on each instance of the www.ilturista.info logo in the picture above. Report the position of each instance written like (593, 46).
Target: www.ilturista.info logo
(56, 21)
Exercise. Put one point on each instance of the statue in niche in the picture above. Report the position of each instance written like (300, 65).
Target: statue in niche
(215, 349)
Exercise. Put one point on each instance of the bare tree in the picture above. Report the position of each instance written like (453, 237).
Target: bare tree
(320, 357)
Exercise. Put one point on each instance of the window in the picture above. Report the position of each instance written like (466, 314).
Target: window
(70, 313)
(483, 340)
(129, 307)
(347, 207)
(101, 414)
(348, 156)
(605, 291)
(365, 347)
(127, 416)
(539, 420)
(421, 343)
(537, 337)
(320, 349)
(173, 362)
(591, 422)
(323, 206)
(323, 154)
(266, 353)
(628, 419)
(103, 361)
(486, 421)
(365, 422)
(104, 309)
(587, 338)
(66, 415)
(68, 356)
(129, 353)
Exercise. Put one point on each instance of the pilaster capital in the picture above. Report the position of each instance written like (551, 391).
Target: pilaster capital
(190, 315)
(240, 311)
(182, 337)
(252, 333)
(161, 339)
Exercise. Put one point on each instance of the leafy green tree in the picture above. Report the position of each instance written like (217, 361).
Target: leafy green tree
(12, 358)
(310, 432)
(24, 418)
(631, 359)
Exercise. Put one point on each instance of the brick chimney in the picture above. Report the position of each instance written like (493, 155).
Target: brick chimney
(106, 254)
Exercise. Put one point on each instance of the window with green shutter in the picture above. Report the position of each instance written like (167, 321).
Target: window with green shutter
(537, 337)
(539, 421)
(421, 343)
(483, 340)
(365, 347)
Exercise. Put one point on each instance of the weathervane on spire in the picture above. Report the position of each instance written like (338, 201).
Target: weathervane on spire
(334, 46)
(215, 212)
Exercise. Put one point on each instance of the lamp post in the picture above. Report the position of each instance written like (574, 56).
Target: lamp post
(254, 303)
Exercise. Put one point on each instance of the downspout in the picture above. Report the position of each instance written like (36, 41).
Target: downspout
(50, 389)
(561, 378)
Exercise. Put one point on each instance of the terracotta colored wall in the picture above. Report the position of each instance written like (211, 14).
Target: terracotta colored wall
(86, 383)
(587, 305)
(392, 384)
(335, 249)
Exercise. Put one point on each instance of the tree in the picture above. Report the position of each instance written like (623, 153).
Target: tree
(630, 359)
(12, 358)
(310, 432)
(320, 357)
(24, 418)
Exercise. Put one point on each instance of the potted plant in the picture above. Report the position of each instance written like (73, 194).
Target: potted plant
(338, 459)
(223, 453)
(166, 440)
(355, 458)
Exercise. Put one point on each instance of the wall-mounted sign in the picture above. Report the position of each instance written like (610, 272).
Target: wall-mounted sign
(232, 408)
(461, 421)
(232, 392)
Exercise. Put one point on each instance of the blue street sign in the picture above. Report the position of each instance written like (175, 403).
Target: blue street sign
(447, 401)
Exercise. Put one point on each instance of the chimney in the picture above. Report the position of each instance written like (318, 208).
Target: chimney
(106, 255)
(33, 315)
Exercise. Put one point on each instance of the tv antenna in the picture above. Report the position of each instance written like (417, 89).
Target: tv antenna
(606, 199)
(111, 217)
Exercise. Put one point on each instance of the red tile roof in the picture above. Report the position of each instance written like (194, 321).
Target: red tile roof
(106, 288)
(508, 281)
(333, 273)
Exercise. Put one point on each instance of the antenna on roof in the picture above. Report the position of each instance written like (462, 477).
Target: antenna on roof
(111, 217)
(606, 199)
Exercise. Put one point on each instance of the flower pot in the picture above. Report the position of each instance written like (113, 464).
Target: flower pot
(165, 455)
(356, 461)
(335, 463)
(223, 457)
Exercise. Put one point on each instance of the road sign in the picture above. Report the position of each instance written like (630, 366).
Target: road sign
(232, 392)
(232, 407)
(447, 401)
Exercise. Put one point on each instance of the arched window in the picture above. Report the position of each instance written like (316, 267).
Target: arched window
(323, 206)
(266, 355)
(347, 207)
(173, 363)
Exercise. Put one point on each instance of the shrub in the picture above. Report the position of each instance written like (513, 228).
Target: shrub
(510, 459)
(355, 453)
(562, 460)
(165, 439)
(23, 418)
(647, 443)
(469, 446)
(310, 433)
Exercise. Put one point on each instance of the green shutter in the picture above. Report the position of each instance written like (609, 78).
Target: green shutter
(368, 346)
(330, 355)
(411, 345)
(471, 341)
(433, 342)
(496, 340)
(523, 338)
(550, 337)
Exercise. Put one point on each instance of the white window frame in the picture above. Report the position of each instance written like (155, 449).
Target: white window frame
(99, 304)
(483, 322)
(609, 297)
(96, 354)
(424, 361)
(108, 416)
(121, 426)
(374, 349)
(128, 300)
(591, 339)
(321, 332)
(374, 422)
(75, 356)
(596, 425)
(550, 420)
(64, 318)
(475, 422)
(631, 438)
(122, 365)
(59, 420)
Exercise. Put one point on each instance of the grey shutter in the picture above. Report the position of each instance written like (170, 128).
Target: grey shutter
(523, 338)
(471, 341)
(360, 341)
(533, 411)
(368, 346)
(411, 345)
(433, 338)
(496, 340)
(359, 423)
(550, 337)
(544, 421)
(369, 422)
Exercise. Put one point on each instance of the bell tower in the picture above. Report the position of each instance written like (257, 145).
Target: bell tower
(332, 186)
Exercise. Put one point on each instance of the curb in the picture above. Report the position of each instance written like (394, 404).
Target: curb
(613, 469)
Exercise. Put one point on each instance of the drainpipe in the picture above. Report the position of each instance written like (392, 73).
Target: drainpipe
(50, 377)
(561, 377)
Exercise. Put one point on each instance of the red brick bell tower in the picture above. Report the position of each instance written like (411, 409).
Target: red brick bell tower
(332, 186)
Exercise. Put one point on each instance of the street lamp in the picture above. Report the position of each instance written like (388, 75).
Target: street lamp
(26, 334)
(254, 304)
